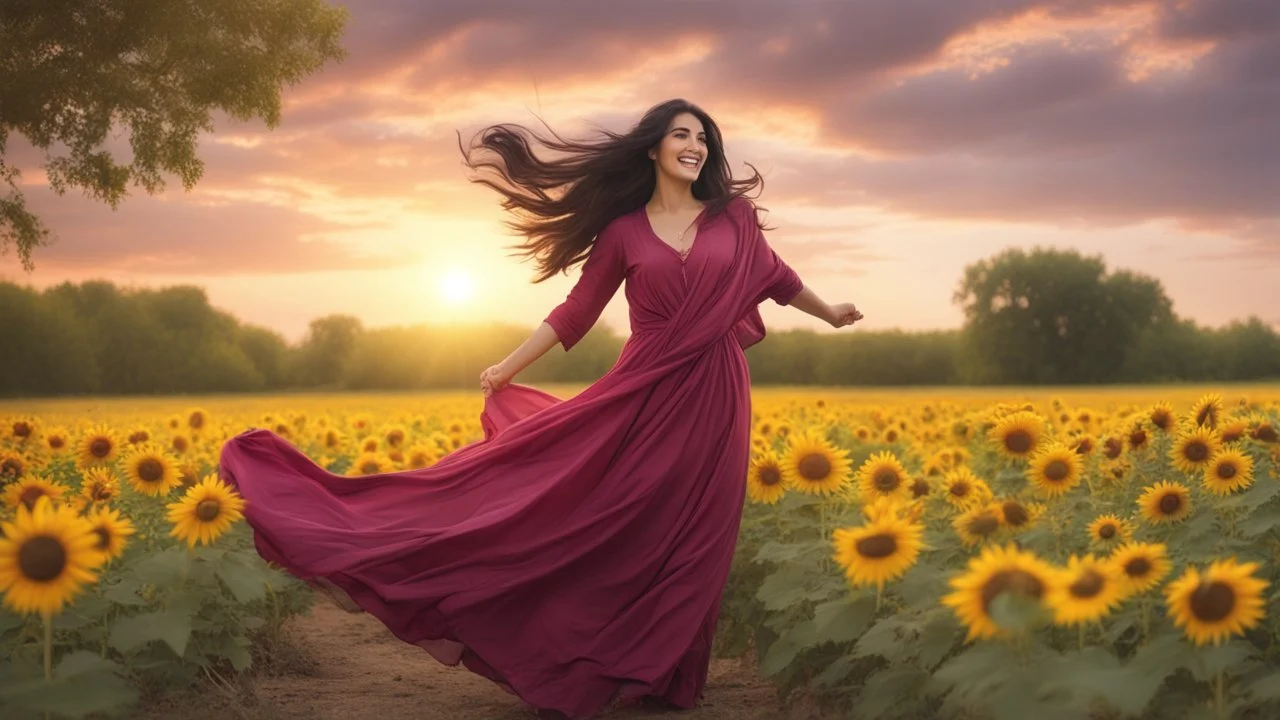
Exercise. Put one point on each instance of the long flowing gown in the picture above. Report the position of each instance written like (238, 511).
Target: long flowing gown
(578, 553)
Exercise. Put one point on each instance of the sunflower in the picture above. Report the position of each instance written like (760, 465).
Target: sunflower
(1084, 444)
(1055, 469)
(138, 436)
(1016, 516)
(764, 478)
(369, 445)
(331, 439)
(151, 471)
(57, 440)
(920, 487)
(1141, 565)
(997, 571)
(1162, 417)
(1193, 449)
(1109, 531)
(1138, 438)
(99, 485)
(1263, 431)
(1225, 600)
(961, 488)
(1086, 591)
(46, 556)
(110, 531)
(394, 436)
(978, 524)
(813, 465)
(882, 475)
(1018, 434)
(420, 456)
(197, 419)
(1227, 472)
(881, 550)
(180, 443)
(1233, 430)
(1112, 447)
(12, 466)
(205, 512)
(1165, 502)
(1207, 411)
(368, 463)
(98, 446)
(30, 488)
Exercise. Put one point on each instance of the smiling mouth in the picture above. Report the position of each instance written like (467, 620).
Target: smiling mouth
(689, 163)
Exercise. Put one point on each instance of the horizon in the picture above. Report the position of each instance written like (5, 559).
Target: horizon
(894, 153)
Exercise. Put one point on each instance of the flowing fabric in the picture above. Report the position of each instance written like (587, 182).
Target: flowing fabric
(578, 553)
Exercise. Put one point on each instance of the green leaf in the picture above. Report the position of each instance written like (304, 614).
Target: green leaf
(881, 639)
(783, 588)
(1218, 658)
(776, 552)
(173, 626)
(843, 619)
(836, 672)
(83, 683)
(937, 639)
(244, 581)
(1266, 688)
(124, 592)
(164, 568)
(883, 692)
(1018, 614)
(784, 650)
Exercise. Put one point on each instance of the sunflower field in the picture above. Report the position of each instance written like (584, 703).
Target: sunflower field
(916, 554)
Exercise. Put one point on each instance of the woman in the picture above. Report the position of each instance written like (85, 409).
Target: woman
(577, 555)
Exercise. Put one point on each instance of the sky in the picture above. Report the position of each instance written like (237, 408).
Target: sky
(899, 140)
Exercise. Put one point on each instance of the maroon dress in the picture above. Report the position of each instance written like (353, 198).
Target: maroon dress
(578, 553)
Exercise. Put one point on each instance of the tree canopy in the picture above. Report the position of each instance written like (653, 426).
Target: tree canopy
(74, 71)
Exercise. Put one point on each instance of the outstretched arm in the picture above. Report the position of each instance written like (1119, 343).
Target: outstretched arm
(834, 315)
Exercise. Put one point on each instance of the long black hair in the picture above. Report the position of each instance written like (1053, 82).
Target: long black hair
(561, 204)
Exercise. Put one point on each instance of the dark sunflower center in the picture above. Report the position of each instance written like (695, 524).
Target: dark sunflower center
(100, 447)
(959, 489)
(207, 510)
(150, 470)
(42, 558)
(1207, 416)
(1015, 514)
(1015, 581)
(919, 488)
(1018, 441)
(1137, 567)
(815, 467)
(30, 495)
(104, 538)
(887, 480)
(11, 468)
(369, 468)
(1226, 471)
(1114, 448)
(100, 492)
(1057, 471)
(1211, 602)
(984, 524)
(1083, 447)
(1196, 451)
(140, 436)
(1137, 438)
(1264, 433)
(1161, 419)
(180, 443)
(1232, 435)
(1107, 531)
(877, 546)
(1087, 585)
(769, 476)
(1170, 503)
(21, 430)
(57, 442)
(196, 421)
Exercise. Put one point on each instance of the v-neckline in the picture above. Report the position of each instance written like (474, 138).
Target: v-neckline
(644, 210)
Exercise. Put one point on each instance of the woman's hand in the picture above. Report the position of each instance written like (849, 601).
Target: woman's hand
(493, 379)
(844, 314)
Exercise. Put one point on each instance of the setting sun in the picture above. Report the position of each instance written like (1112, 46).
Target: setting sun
(457, 286)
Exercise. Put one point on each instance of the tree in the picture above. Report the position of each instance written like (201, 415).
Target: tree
(326, 349)
(1053, 316)
(71, 71)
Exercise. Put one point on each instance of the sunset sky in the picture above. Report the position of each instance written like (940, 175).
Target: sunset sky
(900, 140)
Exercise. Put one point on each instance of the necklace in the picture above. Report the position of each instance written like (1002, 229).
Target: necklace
(682, 251)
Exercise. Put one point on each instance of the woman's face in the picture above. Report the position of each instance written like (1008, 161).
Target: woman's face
(683, 150)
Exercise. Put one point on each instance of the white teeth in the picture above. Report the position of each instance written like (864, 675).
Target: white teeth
(688, 161)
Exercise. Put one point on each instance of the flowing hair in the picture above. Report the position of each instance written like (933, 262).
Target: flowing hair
(561, 204)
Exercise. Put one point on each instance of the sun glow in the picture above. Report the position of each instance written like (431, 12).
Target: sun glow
(457, 286)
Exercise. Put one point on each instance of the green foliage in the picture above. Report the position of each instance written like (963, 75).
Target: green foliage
(72, 72)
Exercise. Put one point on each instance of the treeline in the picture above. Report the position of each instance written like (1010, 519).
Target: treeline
(1031, 318)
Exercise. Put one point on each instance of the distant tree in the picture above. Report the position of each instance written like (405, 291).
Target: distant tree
(1053, 316)
(326, 349)
(73, 71)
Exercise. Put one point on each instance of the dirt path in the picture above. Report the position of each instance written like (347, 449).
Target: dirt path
(338, 666)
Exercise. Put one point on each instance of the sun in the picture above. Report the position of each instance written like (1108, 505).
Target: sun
(457, 286)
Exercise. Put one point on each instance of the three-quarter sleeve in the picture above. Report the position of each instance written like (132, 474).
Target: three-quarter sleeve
(602, 273)
(781, 283)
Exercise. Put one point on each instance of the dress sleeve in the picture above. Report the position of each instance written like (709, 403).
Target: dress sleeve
(602, 273)
(781, 283)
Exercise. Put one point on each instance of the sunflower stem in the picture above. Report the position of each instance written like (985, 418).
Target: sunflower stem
(48, 648)
(1219, 697)
(1146, 619)
(1081, 636)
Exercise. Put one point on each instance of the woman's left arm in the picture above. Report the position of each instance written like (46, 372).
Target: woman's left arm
(834, 315)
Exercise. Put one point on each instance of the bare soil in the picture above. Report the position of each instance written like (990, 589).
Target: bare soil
(334, 665)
